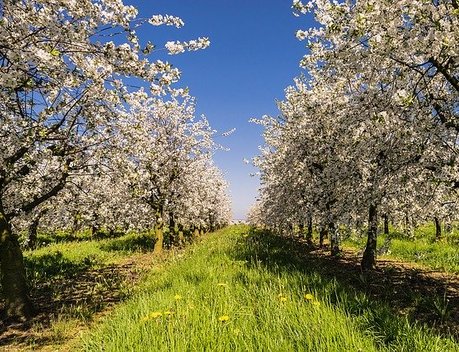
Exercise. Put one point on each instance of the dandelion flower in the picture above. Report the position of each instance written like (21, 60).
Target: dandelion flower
(151, 316)
(283, 299)
(155, 315)
(223, 318)
(308, 297)
(221, 284)
(177, 297)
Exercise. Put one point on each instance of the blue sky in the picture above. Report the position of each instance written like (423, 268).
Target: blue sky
(253, 57)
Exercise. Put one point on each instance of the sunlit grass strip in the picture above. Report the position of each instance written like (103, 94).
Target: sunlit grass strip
(229, 304)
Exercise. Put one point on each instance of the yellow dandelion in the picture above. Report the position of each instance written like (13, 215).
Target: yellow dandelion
(283, 299)
(151, 316)
(177, 297)
(308, 297)
(155, 315)
(223, 318)
(221, 284)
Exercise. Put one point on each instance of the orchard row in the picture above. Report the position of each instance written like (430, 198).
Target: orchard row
(93, 134)
(371, 131)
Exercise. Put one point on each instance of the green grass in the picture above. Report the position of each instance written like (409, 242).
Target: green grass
(74, 277)
(253, 283)
(422, 249)
(65, 259)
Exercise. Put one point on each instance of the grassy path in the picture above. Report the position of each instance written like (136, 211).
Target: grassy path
(74, 282)
(241, 291)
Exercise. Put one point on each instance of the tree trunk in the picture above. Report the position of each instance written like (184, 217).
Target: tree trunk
(181, 237)
(386, 224)
(323, 234)
(95, 227)
(159, 235)
(369, 255)
(13, 278)
(172, 229)
(32, 233)
(76, 226)
(309, 231)
(194, 232)
(301, 229)
(334, 239)
(437, 229)
(95, 230)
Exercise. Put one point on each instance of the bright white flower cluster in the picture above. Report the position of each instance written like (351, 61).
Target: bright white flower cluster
(177, 47)
(159, 20)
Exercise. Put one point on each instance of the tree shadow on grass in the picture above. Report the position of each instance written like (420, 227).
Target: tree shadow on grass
(382, 296)
(54, 264)
(143, 243)
(63, 291)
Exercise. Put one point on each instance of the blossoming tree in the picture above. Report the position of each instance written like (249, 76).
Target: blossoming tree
(62, 76)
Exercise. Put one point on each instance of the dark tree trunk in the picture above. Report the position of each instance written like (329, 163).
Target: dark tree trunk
(301, 229)
(437, 229)
(172, 229)
(181, 237)
(159, 233)
(159, 236)
(33, 229)
(334, 239)
(32, 233)
(195, 232)
(369, 255)
(13, 278)
(322, 235)
(309, 231)
(76, 226)
(386, 224)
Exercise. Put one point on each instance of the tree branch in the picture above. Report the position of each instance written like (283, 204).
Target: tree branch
(443, 70)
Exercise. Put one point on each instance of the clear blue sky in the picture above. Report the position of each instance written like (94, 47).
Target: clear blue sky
(253, 57)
